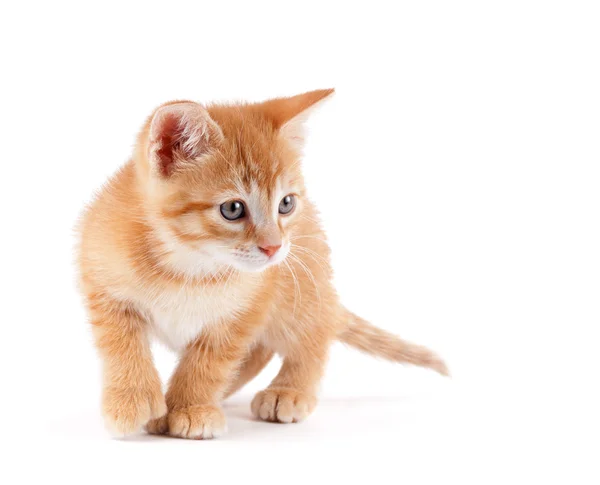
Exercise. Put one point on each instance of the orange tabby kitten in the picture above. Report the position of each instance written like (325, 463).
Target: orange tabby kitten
(206, 240)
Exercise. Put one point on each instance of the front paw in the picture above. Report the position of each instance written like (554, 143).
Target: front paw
(283, 405)
(127, 409)
(193, 422)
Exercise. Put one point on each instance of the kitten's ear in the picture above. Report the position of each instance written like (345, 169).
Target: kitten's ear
(179, 133)
(289, 114)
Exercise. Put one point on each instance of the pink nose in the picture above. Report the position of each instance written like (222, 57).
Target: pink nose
(269, 250)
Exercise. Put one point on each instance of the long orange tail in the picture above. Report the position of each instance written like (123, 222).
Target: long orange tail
(363, 336)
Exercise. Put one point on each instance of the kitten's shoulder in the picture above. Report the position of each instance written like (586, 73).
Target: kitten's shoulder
(109, 225)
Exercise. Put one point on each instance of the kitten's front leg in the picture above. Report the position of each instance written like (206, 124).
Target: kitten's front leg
(292, 395)
(132, 392)
(201, 380)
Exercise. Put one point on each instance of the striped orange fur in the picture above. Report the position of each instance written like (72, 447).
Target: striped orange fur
(159, 257)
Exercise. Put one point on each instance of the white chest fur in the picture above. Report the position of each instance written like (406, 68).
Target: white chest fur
(179, 316)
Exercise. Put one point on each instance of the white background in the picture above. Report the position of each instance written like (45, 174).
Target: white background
(457, 170)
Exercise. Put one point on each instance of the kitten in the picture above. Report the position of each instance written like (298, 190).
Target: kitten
(206, 239)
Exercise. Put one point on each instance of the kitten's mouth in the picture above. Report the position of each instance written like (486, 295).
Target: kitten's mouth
(254, 264)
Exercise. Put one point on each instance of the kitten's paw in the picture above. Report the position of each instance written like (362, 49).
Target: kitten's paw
(127, 410)
(283, 405)
(158, 426)
(196, 422)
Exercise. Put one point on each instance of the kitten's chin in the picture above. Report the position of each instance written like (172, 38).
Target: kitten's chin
(248, 267)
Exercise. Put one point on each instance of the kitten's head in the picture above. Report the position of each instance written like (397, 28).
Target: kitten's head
(222, 183)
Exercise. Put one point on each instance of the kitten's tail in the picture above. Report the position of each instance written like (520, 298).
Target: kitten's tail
(363, 336)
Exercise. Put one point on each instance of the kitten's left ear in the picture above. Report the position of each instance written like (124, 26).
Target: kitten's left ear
(288, 115)
(180, 132)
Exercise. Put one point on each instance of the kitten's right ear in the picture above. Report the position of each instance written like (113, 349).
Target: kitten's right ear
(289, 115)
(179, 134)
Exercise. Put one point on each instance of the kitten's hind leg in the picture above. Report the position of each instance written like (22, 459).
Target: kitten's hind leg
(258, 357)
(292, 395)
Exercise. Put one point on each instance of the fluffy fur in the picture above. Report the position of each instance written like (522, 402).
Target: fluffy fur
(157, 257)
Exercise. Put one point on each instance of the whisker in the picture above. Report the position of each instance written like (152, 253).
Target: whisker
(308, 236)
(309, 274)
(296, 285)
(313, 255)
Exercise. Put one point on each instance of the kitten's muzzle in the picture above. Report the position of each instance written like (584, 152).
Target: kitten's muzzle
(269, 250)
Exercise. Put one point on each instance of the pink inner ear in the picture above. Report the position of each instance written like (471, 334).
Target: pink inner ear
(169, 140)
(179, 132)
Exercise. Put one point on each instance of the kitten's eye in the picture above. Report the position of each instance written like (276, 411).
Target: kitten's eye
(233, 210)
(287, 204)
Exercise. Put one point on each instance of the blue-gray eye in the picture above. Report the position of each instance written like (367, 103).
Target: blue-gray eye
(287, 204)
(233, 210)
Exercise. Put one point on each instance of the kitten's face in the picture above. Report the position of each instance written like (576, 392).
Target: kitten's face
(254, 224)
(237, 214)
(234, 202)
